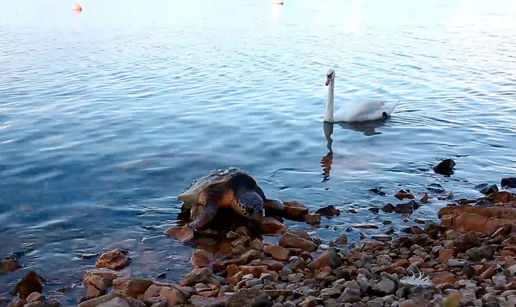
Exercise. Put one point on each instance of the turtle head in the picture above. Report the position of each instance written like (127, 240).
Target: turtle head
(250, 205)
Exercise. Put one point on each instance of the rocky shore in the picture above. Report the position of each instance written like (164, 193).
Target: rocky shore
(468, 258)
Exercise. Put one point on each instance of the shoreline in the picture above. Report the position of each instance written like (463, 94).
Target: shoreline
(470, 256)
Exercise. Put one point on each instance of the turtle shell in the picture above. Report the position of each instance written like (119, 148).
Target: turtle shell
(192, 194)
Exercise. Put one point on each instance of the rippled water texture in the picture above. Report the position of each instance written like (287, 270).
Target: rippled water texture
(106, 115)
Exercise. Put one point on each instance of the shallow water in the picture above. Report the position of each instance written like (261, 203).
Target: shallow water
(107, 115)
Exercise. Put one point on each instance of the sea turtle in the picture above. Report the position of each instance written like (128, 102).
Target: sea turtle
(228, 188)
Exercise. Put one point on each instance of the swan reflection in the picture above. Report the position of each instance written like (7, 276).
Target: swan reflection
(367, 128)
(327, 160)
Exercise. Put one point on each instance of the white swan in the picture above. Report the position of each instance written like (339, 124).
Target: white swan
(368, 110)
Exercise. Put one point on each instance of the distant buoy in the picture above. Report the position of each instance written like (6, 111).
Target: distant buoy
(77, 7)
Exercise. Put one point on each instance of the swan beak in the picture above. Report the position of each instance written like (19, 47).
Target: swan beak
(328, 80)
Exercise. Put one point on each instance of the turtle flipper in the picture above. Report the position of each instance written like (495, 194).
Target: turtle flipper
(210, 210)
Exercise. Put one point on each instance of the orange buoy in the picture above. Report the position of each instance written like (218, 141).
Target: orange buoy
(77, 7)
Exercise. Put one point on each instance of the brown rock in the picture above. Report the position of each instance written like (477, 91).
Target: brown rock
(277, 252)
(328, 211)
(209, 293)
(295, 210)
(152, 291)
(503, 197)
(476, 218)
(250, 256)
(365, 226)
(9, 266)
(115, 260)
(401, 195)
(200, 301)
(34, 297)
(329, 258)
(173, 296)
(115, 302)
(100, 300)
(31, 282)
(408, 303)
(234, 279)
(292, 240)
(382, 238)
(445, 167)
(131, 287)
(467, 241)
(273, 265)
(232, 270)
(183, 234)
(272, 226)
(200, 258)
(439, 278)
(445, 255)
(312, 219)
(368, 246)
(256, 244)
(255, 270)
(95, 286)
(424, 199)
(107, 276)
(488, 273)
(197, 275)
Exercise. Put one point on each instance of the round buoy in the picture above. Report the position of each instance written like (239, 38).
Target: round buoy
(77, 7)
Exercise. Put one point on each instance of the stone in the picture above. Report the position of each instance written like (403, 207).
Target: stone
(467, 241)
(424, 199)
(201, 301)
(386, 286)
(34, 304)
(31, 282)
(331, 292)
(107, 275)
(277, 252)
(401, 195)
(309, 302)
(478, 219)
(488, 273)
(467, 295)
(445, 255)
(152, 291)
(9, 266)
(508, 183)
(499, 280)
(445, 167)
(34, 297)
(244, 297)
(114, 260)
(273, 265)
(479, 253)
(256, 244)
(95, 286)
(131, 287)
(503, 197)
(312, 219)
(295, 210)
(272, 226)
(197, 275)
(408, 303)
(256, 271)
(329, 258)
(200, 258)
(342, 239)
(115, 302)
(135, 303)
(487, 189)
(173, 296)
(328, 211)
(291, 240)
(100, 300)
(350, 296)
(442, 278)
(365, 226)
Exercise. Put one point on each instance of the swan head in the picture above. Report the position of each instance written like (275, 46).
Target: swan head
(330, 76)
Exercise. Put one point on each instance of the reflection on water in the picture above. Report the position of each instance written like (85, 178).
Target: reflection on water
(328, 158)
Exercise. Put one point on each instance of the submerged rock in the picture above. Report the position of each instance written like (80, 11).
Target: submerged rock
(401, 195)
(328, 211)
(508, 183)
(115, 260)
(9, 266)
(30, 283)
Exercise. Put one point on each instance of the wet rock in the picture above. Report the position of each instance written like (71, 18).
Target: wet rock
(9, 266)
(342, 239)
(201, 301)
(34, 304)
(156, 301)
(131, 287)
(487, 189)
(152, 291)
(291, 240)
(115, 260)
(200, 258)
(31, 282)
(197, 275)
(478, 219)
(375, 210)
(377, 191)
(107, 275)
(388, 208)
(479, 253)
(446, 196)
(295, 210)
(365, 226)
(173, 296)
(34, 297)
(382, 238)
(328, 211)
(508, 183)
(501, 197)
(401, 195)
(273, 265)
(115, 302)
(424, 199)
(312, 219)
(445, 167)
(329, 258)
(277, 252)
(272, 226)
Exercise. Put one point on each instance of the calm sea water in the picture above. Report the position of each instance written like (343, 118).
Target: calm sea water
(107, 115)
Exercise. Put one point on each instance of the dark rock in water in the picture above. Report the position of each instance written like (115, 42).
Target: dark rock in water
(406, 208)
(484, 203)
(389, 208)
(31, 282)
(9, 266)
(374, 210)
(162, 275)
(377, 191)
(328, 211)
(435, 188)
(487, 189)
(445, 167)
(508, 183)
(401, 195)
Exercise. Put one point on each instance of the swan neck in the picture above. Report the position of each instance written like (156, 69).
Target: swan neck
(328, 113)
